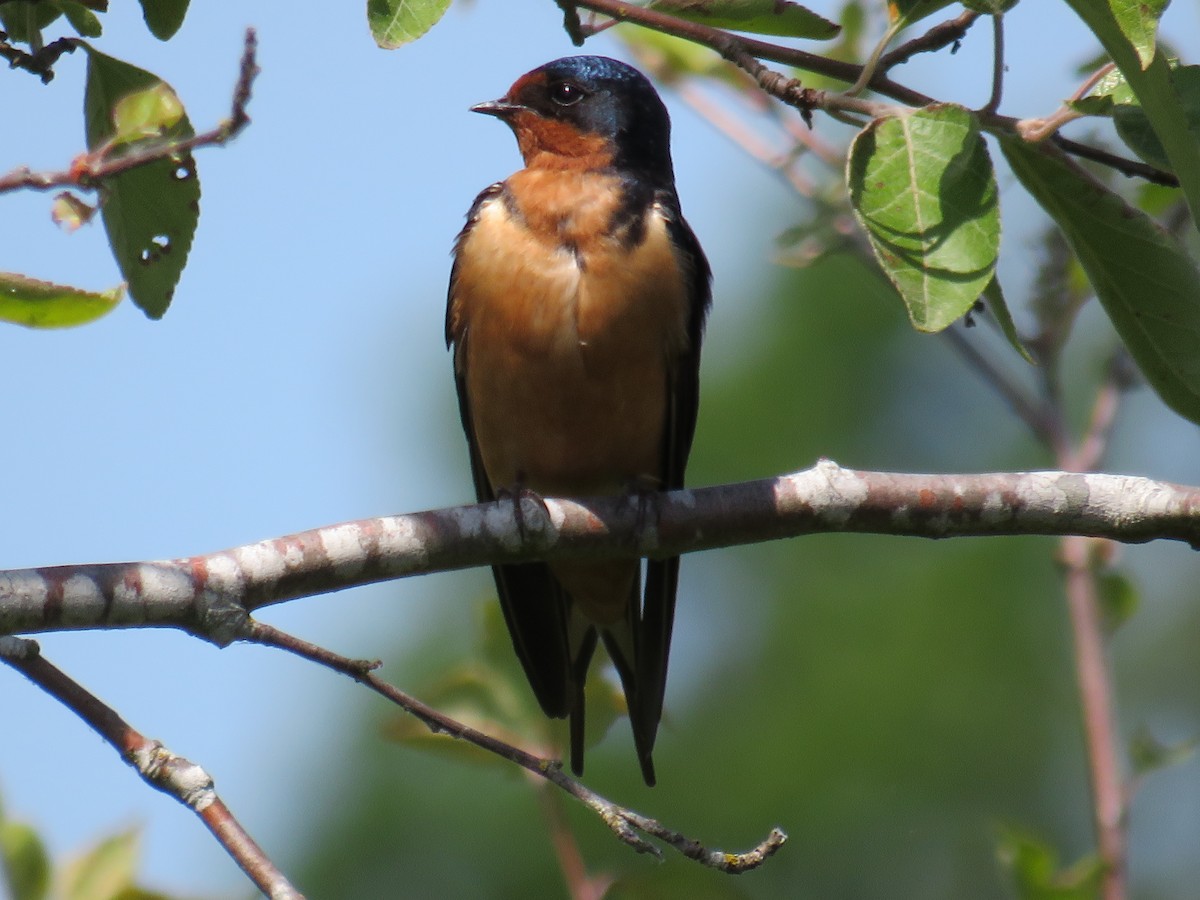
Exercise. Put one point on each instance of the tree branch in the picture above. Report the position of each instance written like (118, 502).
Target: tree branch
(41, 61)
(624, 822)
(158, 766)
(212, 595)
(737, 49)
(89, 170)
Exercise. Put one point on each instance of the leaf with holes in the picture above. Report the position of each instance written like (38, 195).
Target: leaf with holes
(150, 212)
(1144, 278)
(776, 17)
(922, 186)
(395, 23)
(39, 304)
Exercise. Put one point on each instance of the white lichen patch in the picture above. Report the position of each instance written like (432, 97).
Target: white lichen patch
(993, 511)
(263, 560)
(400, 538)
(82, 601)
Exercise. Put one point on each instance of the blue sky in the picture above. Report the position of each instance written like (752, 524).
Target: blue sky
(300, 377)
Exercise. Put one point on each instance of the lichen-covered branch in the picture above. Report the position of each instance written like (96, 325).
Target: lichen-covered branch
(212, 595)
(158, 766)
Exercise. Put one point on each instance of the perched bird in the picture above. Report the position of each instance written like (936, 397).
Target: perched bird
(576, 305)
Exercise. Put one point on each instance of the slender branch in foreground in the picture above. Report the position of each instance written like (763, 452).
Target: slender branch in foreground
(1096, 699)
(212, 595)
(624, 823)
(158, 766)
(89, 170)
(1079, 558)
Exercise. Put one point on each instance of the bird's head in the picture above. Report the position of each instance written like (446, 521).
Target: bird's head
(584, 112)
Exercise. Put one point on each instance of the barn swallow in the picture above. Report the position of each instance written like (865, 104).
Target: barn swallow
(576, 306)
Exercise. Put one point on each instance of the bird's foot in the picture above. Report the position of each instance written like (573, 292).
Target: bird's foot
(643, 493)
(515, 495)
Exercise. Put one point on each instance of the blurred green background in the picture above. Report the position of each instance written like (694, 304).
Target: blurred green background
(894, 704)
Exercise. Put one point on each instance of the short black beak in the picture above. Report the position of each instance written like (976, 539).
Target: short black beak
(499, 108)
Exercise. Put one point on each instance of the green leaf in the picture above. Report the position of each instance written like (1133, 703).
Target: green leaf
(24, 20)
(150, 212)
(83, 20)
(1138, 21)
(904, 12)
(1111, 90)
(994, 297)
(69, 212)
(23, 862)
(104, 872)
(395, 23)
(1145, 280)
(776, 17)
(1118, 598)
(1134, 126)
(1152, 86)
(164, 17)
(149, 113)
(1148, 754)
(921, 184)
(39, 304)
(989, 7)
(1036, 872)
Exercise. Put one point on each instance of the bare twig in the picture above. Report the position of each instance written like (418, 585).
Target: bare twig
(1096, 698)
(1096, 701)
(41, 61)
(993, 103)
(943, 34)
(90, 169)
(212, 595)
(158, 766)
(624, 823)
(740, 50)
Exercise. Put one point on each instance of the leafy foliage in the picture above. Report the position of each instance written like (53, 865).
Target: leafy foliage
(922, 186)
(395, 23)
(1146, 281)
(39, 304)
(785, 19)
(151, 212)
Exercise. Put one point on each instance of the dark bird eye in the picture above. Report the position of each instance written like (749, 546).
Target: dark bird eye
(564, 93)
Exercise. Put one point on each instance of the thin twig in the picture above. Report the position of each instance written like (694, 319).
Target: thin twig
(993, 103)
(90, 169)
(740, 49)
(624, 823)
(41, 61)
(158, 766)
(1096, 699)
(943, 34)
